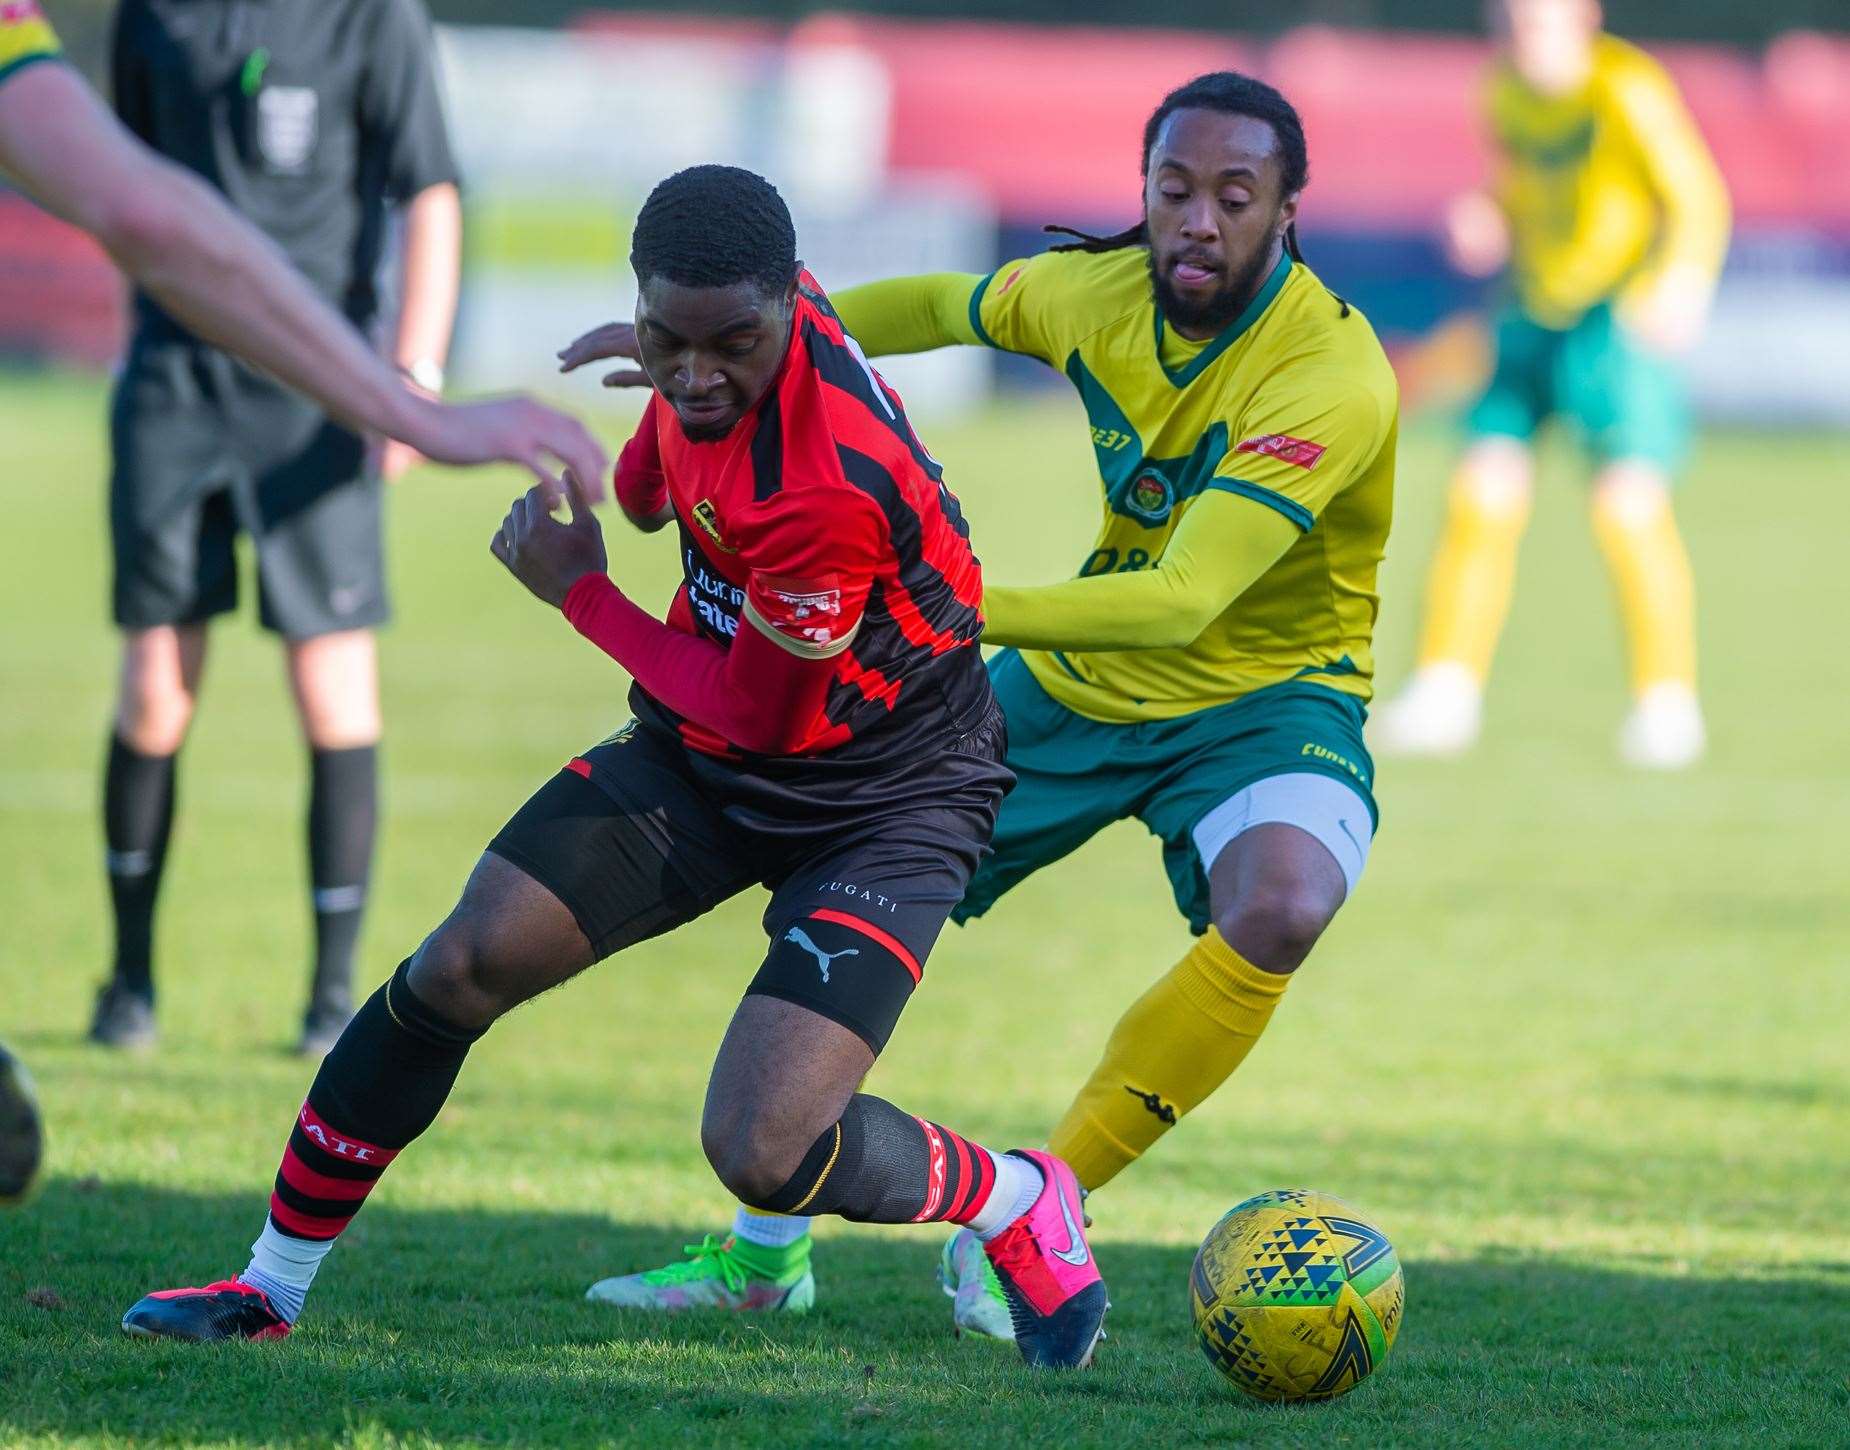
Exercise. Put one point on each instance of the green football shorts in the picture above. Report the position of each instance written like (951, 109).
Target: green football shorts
(1181, 778)
(1626, 401)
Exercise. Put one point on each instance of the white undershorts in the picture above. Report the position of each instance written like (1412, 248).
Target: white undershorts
(1313, 802)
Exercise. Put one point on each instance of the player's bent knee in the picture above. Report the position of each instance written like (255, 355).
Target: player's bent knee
(752, 1170)
(1500, 490)
(1631, 496)
(452, 975)
(1275, 927)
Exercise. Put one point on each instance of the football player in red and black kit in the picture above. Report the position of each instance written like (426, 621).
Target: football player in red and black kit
(813, 716)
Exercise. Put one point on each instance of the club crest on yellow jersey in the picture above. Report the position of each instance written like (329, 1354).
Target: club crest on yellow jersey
(1150, 497)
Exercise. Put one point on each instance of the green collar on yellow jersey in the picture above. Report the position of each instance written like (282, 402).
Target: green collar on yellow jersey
(1196, 365)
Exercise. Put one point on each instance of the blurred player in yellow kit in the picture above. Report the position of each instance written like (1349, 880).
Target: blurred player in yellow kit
(1612, 220)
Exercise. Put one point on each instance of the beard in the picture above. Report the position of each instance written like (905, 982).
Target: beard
(1218, 311)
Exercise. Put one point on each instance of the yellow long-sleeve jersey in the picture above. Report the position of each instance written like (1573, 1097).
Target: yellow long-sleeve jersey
(1606, 188)
(1246, 482)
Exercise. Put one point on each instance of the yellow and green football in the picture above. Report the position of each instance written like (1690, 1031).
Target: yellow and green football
(1296, 1296)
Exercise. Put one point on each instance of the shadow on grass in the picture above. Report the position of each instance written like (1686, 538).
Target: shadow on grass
(470, 1325)
(1750, 1090)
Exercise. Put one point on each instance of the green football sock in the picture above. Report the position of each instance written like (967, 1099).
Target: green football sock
(769, 1263)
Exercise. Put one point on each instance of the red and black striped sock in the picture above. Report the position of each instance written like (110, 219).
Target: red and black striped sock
(382, 1084)
(881, 1165)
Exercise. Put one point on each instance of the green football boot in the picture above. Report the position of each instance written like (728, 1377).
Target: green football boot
(719, 1274)
(978, 1305)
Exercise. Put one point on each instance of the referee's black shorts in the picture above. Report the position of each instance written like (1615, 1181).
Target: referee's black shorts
(635, 838)
(204, 449)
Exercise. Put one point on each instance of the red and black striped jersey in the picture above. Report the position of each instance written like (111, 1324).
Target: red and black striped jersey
(822, 517)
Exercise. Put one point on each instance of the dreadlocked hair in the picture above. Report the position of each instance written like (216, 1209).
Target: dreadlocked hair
(712, 226)
(1232, 94)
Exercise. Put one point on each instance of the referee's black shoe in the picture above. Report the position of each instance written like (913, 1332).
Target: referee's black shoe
(22, 1134)
(124, 1018)
(326, 1019)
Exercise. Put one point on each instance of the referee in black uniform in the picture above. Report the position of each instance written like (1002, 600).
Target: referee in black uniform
(314, 117)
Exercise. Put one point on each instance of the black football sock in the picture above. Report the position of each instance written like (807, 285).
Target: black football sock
(881, 1165)
(380, 1086)
(342, 817)
(137, 822)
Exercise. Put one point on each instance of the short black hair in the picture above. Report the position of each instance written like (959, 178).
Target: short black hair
(712, 226)
(1231, 94)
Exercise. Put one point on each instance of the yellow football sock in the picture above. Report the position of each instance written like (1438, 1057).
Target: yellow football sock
(1177, 1043)
(1473, 576)
(1637, 532)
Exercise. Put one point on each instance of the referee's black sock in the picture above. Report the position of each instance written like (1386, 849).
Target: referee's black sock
(342, 815)
(137, 821)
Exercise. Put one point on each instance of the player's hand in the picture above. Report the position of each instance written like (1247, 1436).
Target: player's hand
(507, 430)
(1477, 234)
(613, 339)
(1670, 316)
(546, 554)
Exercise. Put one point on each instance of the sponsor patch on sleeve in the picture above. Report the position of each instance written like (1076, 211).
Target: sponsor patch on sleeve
(1282, 446)
(809, 610)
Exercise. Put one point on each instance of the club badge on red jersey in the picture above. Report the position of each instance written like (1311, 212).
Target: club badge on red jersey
(708, 518)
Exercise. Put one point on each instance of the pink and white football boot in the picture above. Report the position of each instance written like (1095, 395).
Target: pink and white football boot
(1055, 1295)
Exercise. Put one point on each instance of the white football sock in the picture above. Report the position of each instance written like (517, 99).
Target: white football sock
(1018, 1184)
(768, 1230)
(284, 1268)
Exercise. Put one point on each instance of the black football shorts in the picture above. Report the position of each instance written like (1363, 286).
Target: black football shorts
(204, 449)
(636, 839)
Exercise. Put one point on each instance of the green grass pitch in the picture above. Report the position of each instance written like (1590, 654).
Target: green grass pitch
(1579, 1044)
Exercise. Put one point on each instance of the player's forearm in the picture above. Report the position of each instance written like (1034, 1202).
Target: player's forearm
(1220, 550)
(1146, 610)
(910, 314)
(754, 694)
(230, 285)
(185, 246)
(433, 275)
(1697, 225)
(640, 484)
(1697, 214)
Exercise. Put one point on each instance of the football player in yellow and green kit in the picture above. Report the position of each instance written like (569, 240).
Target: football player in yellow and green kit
(1207, 671)
(1613, 221)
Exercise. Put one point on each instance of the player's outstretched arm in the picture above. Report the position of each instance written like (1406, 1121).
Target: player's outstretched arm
(763, 692)
(910, 314)
(231, 285)
(1670, 302)
(906, 314)
(1221, 547)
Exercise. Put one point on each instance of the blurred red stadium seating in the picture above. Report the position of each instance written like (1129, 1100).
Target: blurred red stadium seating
(1043, 118)
(1046, 119)
(60, 297)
